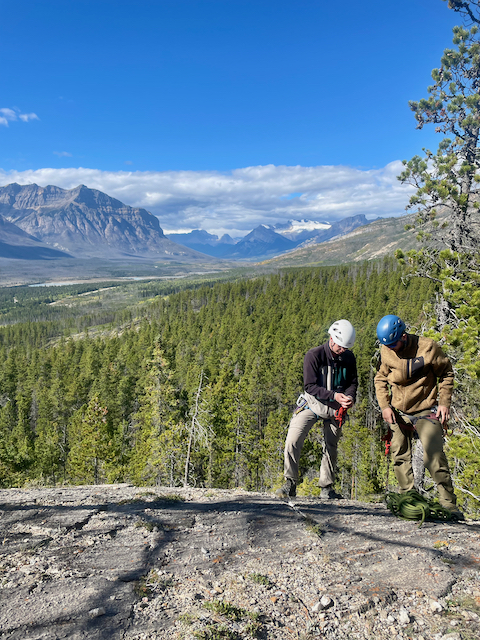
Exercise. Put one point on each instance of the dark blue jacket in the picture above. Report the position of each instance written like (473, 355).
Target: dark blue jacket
(343, 373)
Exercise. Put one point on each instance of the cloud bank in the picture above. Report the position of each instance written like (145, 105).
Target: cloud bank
(237, 201)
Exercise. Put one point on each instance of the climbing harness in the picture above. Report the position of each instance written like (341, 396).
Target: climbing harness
(413, 506)
(407, 423)
(301, 404)
(431, 417)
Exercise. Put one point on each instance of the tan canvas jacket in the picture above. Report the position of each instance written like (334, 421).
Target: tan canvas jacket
(408, 380)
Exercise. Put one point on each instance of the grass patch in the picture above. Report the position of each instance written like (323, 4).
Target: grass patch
(149, 525)
(226, 622)
(187, 618)
(141, 498)
(141, 590)
(455, 609)
(440, 544)
(171, 497)
(225, 609)
(313, 527)
(131, 501)
(212, 632)
(468, 603)
(151, 583)
(260, 579)
(254, 629)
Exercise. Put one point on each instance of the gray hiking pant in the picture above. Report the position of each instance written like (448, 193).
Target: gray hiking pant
(299, 427)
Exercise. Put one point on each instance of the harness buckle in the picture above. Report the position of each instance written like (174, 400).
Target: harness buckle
(301, 404)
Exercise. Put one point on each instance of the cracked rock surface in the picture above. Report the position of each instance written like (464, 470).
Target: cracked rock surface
(121, 562)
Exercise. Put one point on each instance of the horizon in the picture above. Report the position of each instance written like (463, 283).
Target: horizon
(293, 224)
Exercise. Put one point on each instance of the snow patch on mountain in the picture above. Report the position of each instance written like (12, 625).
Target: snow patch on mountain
(297, 226)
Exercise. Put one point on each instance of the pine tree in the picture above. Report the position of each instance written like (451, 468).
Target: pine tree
(89, 444)
(448, 224)
(448, 179)
(158, 435)
(470, 9)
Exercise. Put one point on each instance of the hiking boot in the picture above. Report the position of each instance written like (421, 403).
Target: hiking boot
(329, 493)
(457, 515)
(289, 489)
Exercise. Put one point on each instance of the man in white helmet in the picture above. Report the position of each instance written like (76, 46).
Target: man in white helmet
(330, 383)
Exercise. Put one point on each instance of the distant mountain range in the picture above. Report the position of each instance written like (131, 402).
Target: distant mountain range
(376, 240)
(267, 240)
(208, 243)
(49, 222)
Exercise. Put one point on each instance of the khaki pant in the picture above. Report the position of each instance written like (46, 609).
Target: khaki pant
(299, 427)
(430, 433)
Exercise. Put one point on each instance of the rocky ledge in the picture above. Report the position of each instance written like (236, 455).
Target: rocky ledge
(116, 561)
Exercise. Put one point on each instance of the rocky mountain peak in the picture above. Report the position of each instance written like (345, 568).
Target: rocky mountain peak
(94, 198)
(87, 223)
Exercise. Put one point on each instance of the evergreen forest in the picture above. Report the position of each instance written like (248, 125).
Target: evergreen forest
(192, 384)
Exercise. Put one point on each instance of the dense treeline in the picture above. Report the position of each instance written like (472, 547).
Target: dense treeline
(199, 388)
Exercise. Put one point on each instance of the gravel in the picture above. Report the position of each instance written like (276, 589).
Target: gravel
(117, 561)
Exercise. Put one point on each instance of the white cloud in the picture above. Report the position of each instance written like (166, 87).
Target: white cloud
(6, 116)
(26, 117)
(62, 154)
(8, 113)
(237, 201)
(12, 115)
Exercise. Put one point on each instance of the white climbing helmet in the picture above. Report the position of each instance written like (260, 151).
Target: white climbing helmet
(343, 333)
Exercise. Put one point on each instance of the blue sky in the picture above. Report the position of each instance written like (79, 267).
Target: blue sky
(211, 113)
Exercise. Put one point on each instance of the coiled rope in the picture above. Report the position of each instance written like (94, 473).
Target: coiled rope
(413, 506)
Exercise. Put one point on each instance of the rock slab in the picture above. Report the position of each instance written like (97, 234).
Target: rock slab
(122, 562)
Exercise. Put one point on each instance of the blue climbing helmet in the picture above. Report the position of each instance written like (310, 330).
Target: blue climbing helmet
(390, 329)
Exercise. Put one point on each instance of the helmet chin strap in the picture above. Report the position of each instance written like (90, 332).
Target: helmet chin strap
(403, 341)
(332, 344)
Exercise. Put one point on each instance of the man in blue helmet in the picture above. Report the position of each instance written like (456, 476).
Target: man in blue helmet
(330, 383)
(414, 385)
